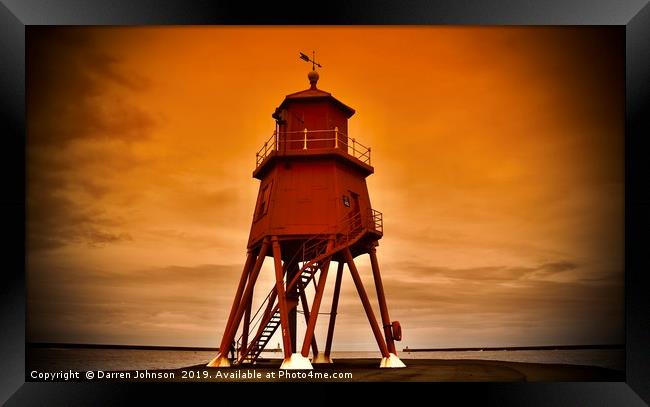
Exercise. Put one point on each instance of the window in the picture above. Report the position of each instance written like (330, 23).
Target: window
(346, 200)
(263, 204)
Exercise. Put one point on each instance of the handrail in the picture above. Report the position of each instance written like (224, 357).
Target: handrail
(339, 141)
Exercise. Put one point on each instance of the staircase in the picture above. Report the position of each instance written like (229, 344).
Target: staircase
(257, 345)
(314, 256)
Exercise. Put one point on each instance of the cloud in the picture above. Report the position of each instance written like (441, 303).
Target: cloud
(188, 305)
(420, 272)
(175, 304)
(75, 90)
(81, 125)
(496, 299)
(55, 221)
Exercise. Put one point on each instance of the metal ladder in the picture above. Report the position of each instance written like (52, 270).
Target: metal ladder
(259, 343)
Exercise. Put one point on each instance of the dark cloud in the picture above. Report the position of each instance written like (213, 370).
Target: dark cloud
(502, 298)
(73, 90)
(77, 96)
(558, 267)
(54, 221)
(177, 303)
(173, 303)
(488, 273)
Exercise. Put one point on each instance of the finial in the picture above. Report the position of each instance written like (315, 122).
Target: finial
(313, 75)
(313, 78)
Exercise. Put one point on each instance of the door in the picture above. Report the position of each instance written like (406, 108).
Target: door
(355, 213)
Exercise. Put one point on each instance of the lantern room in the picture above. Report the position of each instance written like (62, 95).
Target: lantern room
(311, 118)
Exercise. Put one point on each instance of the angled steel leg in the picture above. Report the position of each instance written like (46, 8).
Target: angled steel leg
(247, 322)
(250, 260)
(335, 304)
(291, 360)
(292, 303)
(383, 308)
(366, 303)
(282, 299)
(222, 358)
(305, 310)
(315, 308)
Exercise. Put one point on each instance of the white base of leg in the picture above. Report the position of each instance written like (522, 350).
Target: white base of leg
(321, 358)
(391, 362)
(296, 361)
(219, 361)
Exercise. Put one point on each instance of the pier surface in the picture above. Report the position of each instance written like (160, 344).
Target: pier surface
(416, 370)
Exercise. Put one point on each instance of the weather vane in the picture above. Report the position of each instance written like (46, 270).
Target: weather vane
(314, 64)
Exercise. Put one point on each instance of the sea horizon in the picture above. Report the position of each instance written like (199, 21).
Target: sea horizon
(404, 349)
(82, 357)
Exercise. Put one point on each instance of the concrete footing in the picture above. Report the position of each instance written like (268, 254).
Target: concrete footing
(219, 361)
(321, 358)
(391, 362)
(296, 361)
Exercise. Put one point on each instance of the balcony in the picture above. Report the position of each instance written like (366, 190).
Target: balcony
(290, 142)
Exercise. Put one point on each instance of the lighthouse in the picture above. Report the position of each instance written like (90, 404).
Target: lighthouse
(313, 213)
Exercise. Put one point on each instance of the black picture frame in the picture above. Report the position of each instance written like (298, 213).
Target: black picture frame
(16, 15)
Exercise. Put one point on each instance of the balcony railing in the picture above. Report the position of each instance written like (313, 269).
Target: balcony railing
(312, 140)
(377, 220)
(349, 228)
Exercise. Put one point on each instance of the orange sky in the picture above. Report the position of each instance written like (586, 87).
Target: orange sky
(498, 157)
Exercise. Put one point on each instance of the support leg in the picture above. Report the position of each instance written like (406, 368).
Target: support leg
(335, 303)
(291, 360)
(250, 260)
(366, 303)
(231, 329)
(383, 308)
(305, 310)
(282, 299)
(393, 360)
(292, 304)
(315, 308)
(247, 323)
(266, 315)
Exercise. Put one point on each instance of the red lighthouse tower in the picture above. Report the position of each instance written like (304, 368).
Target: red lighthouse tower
(312, 209)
